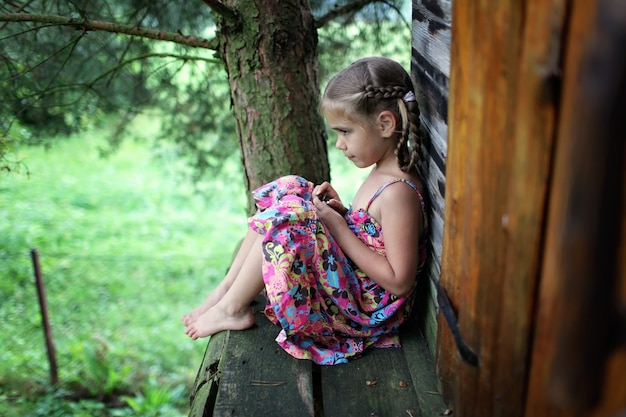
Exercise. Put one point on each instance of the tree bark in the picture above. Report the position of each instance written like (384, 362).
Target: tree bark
(270, 54)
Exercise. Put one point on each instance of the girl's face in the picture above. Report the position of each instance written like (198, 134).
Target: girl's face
(361, 142)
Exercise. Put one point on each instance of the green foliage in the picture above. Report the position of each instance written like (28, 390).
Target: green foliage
(58, 79)
(125, 249)
(61, 80)
(99, 376)
(380, 29)
(155, 400)
(54, 404)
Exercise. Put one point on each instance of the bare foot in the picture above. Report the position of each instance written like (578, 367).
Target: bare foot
(217, 319)
(197, 312)
(211, 300)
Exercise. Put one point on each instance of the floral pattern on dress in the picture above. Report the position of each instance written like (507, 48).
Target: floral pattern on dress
(328, 309)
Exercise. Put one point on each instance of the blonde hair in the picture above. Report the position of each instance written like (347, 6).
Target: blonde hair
(372, 85)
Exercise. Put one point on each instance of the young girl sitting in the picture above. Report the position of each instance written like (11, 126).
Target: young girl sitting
(337, 280)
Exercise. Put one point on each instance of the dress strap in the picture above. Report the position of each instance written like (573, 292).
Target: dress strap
(410, 184)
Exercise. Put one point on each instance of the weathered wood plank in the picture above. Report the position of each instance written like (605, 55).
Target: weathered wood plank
(205, 387)
(501, 133)
(424, 315)
(432, 89)
(436, 228)
(257, 376)
(441, 9)
(576, 366)
(431, 36)
(378, 384)
(430, 69)
(421, 365)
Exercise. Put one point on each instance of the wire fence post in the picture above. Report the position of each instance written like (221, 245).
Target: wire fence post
(41, 293)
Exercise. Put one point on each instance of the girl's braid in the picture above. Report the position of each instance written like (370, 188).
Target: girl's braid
(380, 93)
(411, 139)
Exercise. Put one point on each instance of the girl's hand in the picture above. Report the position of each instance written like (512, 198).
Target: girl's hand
(325, 194)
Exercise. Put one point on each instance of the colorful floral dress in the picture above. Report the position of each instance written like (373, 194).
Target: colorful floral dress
(328, 309)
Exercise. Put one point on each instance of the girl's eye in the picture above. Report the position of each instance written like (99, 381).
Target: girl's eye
(344, 132)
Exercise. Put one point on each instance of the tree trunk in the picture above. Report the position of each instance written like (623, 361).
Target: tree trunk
(270, 55)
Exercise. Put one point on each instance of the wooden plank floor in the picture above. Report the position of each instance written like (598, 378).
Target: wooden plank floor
(377, 384)
(246, 373)
(254, 373)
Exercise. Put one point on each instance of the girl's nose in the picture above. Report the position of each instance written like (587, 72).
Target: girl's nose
(340, 144)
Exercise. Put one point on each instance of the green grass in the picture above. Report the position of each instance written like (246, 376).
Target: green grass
(125, 250)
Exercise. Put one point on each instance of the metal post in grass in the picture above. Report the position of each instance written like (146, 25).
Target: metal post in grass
(41, 292)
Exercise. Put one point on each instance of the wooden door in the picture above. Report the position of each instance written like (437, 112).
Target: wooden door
(578, 358)
(534, 229)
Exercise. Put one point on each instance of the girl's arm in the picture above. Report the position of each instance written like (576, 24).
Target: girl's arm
(400, 216)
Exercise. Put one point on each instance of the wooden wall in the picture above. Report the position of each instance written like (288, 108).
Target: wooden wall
(578, 354)
(503, 102)
(430, 67)
(523, 105)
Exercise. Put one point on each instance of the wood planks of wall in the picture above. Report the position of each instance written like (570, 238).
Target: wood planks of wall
(501, 118)
(502, 262)
(579, 351)
(430, 69)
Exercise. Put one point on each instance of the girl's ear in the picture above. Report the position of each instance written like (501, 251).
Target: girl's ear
(387, 123)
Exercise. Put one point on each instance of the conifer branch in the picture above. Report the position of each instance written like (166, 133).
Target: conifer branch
(350, 8)
(94, 25)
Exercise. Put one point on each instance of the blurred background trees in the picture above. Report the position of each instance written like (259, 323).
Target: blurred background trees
(235, 78)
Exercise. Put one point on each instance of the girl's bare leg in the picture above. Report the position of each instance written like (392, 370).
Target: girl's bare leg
(233, 311)
(248, 241)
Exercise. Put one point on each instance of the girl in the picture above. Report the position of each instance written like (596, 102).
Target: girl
(331, 281)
